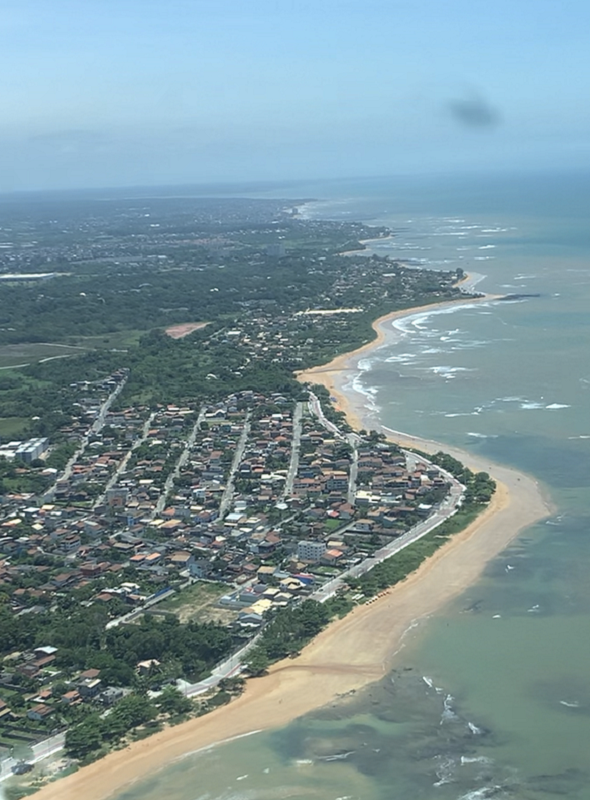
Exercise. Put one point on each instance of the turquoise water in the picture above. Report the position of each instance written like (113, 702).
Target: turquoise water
(490, 698)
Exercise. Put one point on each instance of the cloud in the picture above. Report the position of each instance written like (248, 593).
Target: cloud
(473, 112)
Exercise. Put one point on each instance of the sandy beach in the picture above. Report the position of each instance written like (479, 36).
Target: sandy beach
(351, 652)
(336, 374)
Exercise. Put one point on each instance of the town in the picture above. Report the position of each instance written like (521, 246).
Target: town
(171, 498)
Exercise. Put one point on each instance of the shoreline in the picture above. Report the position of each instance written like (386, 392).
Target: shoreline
(334, 375)
(351, 652)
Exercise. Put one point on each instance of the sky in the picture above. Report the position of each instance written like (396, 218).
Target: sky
(144, 92)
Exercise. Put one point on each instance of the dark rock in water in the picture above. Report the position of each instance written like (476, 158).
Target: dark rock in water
(516, 297)
(564, 783)
(474, 607)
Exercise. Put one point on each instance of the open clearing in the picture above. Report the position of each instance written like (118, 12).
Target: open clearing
(25, 353)
(12, 426)
(199, 602)
(117, 340)
(182, 330)
(16, 355)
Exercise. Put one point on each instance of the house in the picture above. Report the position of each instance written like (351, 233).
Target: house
(265, 574)
(181, 559)
(111, 695)
(71, 698)
(291, 584)
(200, 568)
(39, 712)
(147, 667)
(90, 674)
(4, 710)
(89, 687)
(332, 557)
(364, 525)
(47, 650)
(337, 480)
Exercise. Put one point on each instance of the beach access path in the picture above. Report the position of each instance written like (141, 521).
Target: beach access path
(352, 652)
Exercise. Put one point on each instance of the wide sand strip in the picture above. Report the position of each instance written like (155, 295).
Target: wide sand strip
(351, 652)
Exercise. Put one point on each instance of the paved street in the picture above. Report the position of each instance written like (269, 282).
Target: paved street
(228, 493)
(96, 427)
(295, 446)
(123, 465)
(183, 458)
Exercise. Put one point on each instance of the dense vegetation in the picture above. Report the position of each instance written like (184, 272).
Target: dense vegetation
(79, 633)
(97, 733)
(479, 486)
(287, 633)
(124, 271)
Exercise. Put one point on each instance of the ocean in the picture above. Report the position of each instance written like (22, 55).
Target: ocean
(490, 697)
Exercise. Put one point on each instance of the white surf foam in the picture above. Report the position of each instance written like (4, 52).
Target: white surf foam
(475, 760)
(402, 358)
(448, 714)
(444, 770)
(482, 794)
(413, 321)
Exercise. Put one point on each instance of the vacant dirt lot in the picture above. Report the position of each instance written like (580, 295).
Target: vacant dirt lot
(182, 330)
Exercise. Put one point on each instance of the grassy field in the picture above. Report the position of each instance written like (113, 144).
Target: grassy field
(11, 427)
(119, 340)
(198, 602)
(16, 355)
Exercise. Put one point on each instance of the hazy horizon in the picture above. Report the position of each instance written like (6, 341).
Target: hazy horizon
(138, 94)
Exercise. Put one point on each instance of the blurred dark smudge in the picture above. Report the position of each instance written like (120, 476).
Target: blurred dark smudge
(474, 112)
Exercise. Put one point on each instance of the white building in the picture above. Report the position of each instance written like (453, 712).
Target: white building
(310, 551)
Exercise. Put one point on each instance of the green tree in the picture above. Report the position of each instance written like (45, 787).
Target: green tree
(171, 701)
(258, 662)
(84, 738)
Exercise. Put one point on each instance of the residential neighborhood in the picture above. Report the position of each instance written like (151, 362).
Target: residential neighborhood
(250, 496)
